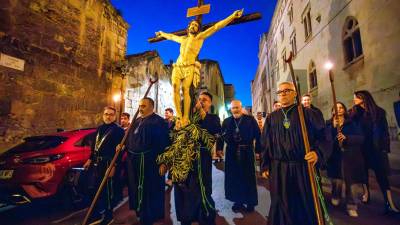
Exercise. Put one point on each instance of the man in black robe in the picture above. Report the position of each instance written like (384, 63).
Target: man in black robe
(108, 136)
(191, 203)
(240, 133)
(285, 159)
(147, 138)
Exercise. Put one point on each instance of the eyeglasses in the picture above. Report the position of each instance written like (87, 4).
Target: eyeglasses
(284, 91)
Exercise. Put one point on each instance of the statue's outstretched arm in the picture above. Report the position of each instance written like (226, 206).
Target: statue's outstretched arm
(221, 24)
(169, 36)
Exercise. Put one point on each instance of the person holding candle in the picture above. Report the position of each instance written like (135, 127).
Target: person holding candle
(346, 163)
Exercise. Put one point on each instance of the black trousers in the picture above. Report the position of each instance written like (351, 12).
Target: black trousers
(350, 194)
(120, 180)
(104, 204)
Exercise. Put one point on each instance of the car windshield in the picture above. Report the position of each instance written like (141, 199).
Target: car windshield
(37, 143)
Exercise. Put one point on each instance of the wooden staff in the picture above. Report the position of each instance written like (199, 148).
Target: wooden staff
(311, 170)
(118, 150)
(338, 128)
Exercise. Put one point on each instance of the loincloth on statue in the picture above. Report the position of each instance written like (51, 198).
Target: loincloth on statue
(181, 71)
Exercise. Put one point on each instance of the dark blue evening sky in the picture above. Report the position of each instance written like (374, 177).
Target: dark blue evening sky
(234, 47)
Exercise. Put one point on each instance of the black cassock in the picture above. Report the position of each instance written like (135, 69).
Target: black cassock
(290, 188)
(240, 174)
(106, 139)
(147, 138)
(188, 196)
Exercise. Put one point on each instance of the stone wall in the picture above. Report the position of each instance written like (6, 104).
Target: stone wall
(229, 93)
(213, 82)
(142, 66)
(69, 48)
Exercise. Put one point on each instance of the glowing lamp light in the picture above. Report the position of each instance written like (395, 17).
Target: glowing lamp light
(116, 97)
(328, 65)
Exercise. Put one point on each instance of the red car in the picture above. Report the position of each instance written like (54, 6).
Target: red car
(44, 166)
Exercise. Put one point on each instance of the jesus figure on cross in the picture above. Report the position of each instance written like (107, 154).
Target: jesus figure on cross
(186, 70)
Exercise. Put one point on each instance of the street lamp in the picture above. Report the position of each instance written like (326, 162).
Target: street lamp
(116, 98)
(328, 65)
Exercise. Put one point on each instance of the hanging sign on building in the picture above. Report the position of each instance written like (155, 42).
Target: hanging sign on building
(12, 62)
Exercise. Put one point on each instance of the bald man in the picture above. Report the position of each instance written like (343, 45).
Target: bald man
(147, 138)
(242, 135)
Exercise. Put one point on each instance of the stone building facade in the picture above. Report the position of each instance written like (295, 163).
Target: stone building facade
(229, 93)
(142, 67)
(212, 81)
(67, 50)
(359, 37)
(261, 86)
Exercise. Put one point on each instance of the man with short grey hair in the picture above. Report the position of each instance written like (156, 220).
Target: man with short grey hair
(285, 160)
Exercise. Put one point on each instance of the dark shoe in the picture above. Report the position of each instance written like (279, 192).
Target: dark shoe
(389, 210)
(250, 208)
(390, 207)
(237, 207)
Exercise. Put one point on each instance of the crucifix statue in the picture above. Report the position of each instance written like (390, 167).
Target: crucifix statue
(186, 70)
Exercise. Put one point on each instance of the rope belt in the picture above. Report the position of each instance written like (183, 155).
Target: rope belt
(206, 204)
(141, 176)
(141, 181)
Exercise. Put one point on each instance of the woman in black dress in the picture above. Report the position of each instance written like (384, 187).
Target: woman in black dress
(376, 146)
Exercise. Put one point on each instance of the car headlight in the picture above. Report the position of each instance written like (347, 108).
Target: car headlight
(42, 159)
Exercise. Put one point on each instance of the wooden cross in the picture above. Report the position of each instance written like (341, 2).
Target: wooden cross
(199, 11)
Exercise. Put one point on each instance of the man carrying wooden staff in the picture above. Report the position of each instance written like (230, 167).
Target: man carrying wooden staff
(108, 136)
(285, 160)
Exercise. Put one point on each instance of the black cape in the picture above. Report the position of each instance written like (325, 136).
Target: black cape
(290, 189)
(240, 174)
(188, 198)
(147, 138)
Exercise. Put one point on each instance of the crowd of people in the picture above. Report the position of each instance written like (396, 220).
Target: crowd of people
(360, 142)
(347, 146)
